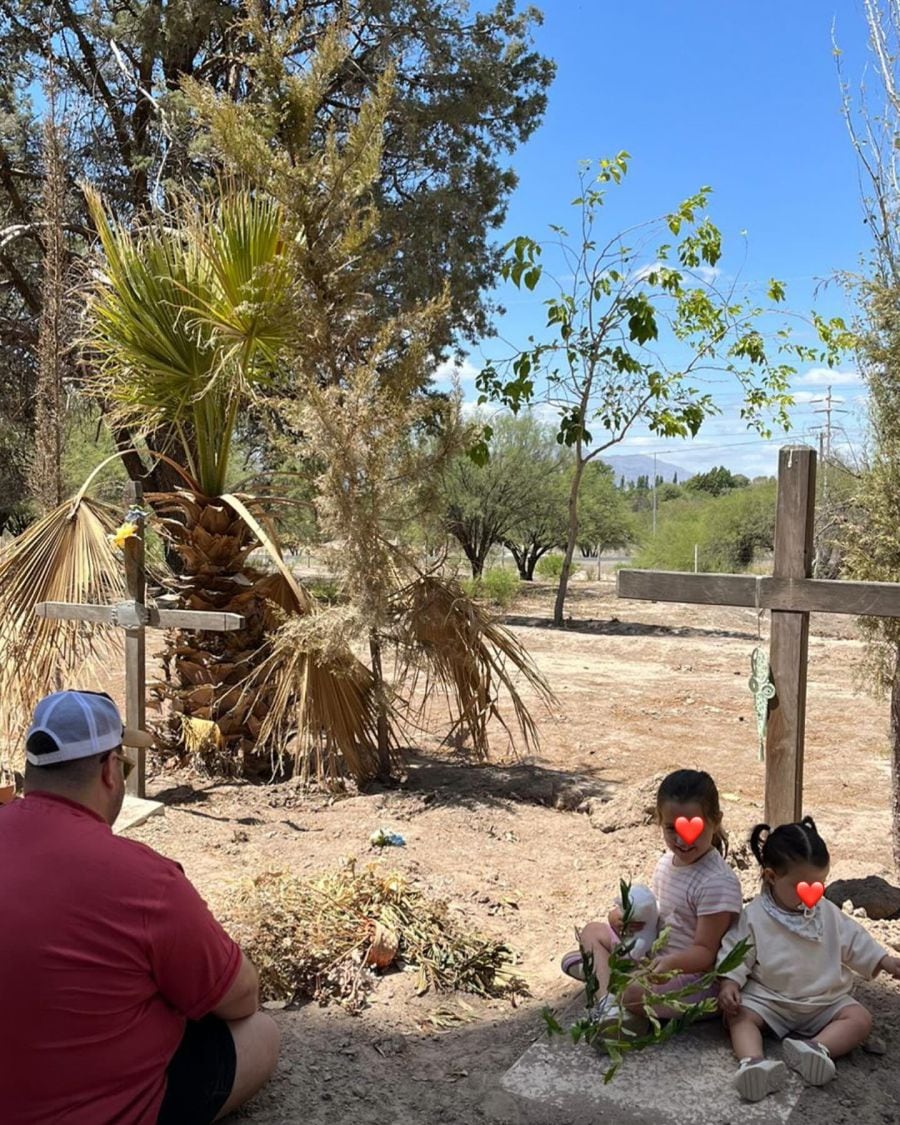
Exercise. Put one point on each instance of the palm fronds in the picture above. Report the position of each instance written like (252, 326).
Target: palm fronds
(185, 320)
(64, 557)
(464, 651)
(320, 699)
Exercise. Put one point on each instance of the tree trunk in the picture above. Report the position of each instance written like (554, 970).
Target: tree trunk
(537, 553)
(384, 749)
(559, 607)
(895, 760)
(209, 666)
(520, 557)
(53, 345)
(476, 559)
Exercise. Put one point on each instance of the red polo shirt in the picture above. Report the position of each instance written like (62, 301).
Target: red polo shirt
(105, 951)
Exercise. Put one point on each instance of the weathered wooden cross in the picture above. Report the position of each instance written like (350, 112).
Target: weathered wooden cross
(134, 616)
(791, 595)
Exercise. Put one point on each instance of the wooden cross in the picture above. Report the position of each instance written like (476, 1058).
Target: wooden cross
(791, 595)
(134, 616)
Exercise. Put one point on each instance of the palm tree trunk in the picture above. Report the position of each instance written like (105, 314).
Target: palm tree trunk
(210, 667)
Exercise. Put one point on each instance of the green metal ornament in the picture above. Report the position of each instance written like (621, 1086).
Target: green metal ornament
(763, 691)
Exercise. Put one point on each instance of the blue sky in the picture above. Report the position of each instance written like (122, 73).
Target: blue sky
(740, 96)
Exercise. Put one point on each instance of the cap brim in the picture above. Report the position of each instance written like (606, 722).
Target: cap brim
(141, 739)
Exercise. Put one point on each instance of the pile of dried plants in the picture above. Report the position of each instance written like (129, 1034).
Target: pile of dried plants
(328, 938)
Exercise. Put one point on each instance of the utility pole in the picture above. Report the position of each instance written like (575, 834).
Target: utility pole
(825, 437)
(654, 494)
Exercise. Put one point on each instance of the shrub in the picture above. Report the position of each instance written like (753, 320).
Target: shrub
(728, 530)
(500, 586)
(325, 590)
(471, 587)
(497, 585)
(550, 567)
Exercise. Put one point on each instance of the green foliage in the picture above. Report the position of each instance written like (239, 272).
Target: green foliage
(498, 586)
(87, 443)
(728, 531)
(627, 300)
(186, 321)
(872, 542)
(515, 497)
(550, 567)
(604, 521)
(716, 481)
(616, 1041)
(325, 590)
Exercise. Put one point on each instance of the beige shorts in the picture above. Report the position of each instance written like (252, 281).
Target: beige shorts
(794, 1019)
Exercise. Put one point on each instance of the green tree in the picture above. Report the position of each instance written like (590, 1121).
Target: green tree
(871, 543)
(468, 89)
(601, 365)
(604, 520)
(516, 497)
(727, 531)
(716, 481)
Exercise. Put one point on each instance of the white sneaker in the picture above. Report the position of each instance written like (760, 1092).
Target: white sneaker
(811, 1061)
(756, 1079)
(608, 1015)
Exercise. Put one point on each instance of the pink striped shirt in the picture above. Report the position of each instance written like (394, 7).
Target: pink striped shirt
(686, 893)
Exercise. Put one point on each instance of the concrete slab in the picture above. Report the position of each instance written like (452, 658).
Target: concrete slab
(135, 810)
(683, 1082)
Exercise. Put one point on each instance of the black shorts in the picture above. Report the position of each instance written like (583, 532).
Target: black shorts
(201, 1074)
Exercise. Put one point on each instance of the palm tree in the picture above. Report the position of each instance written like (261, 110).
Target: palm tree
(183, 333)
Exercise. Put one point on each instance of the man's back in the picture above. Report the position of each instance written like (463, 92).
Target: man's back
(105, 950)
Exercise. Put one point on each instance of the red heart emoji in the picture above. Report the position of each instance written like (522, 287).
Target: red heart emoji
(689, 830)
(810, 893)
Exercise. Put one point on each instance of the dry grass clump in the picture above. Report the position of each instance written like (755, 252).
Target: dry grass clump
(325, 938)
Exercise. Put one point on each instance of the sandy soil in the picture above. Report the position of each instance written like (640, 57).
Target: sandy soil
(641, 689)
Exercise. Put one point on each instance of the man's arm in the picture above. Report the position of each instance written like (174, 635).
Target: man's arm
(242, 998)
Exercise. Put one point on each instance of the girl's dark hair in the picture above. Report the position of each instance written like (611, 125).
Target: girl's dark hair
(789, 844)
(694, 785)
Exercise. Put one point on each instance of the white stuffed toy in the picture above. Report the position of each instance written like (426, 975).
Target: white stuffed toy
(644, 909)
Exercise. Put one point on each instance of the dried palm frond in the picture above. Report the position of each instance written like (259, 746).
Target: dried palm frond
(320, 699)
(64, 557)
(464, 651)
(314, 937)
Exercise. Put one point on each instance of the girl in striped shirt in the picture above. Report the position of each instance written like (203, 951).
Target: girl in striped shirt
(698, 895)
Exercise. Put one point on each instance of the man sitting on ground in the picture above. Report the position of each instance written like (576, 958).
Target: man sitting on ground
(122, 1000)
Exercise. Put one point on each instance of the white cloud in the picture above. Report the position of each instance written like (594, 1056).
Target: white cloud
(707, 273)
(825, 377)
(638, 442)
(802, 398)
(465, 372)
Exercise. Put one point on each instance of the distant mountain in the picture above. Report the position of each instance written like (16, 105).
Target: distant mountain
(634, 465)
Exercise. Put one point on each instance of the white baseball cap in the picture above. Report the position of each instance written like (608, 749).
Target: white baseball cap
(80, 723)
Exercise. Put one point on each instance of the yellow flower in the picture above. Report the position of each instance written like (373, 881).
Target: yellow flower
(126, 531)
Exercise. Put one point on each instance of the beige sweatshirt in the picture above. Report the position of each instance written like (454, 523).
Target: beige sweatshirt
(784, 966)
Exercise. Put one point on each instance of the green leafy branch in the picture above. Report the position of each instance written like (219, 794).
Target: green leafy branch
(614, 1037)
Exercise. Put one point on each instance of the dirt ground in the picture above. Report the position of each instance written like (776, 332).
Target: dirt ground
(528, 849)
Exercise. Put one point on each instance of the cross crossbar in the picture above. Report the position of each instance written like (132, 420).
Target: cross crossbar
(800, 595)
(134, 615)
